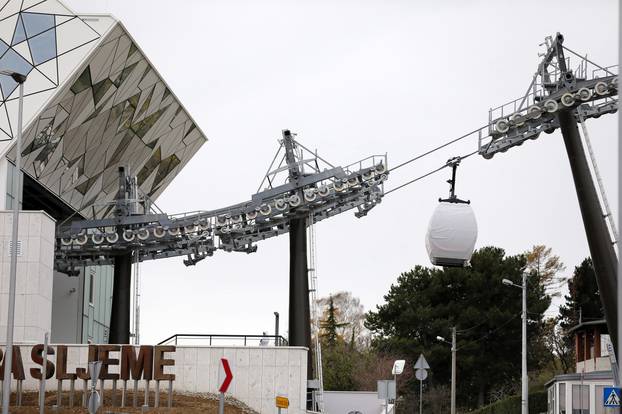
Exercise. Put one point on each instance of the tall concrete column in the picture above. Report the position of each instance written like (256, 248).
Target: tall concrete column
(121, 294)
(299, 309)
(598, 236)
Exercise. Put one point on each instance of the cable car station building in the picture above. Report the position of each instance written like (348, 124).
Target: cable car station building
(93, 102)
(582, 392)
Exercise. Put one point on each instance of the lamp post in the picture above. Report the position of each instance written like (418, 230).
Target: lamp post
(524, 380)
(453, 366)
(8, 355)
(398, 368)
(276, 329)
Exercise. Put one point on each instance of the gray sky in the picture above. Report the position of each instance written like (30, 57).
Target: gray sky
(355, 78)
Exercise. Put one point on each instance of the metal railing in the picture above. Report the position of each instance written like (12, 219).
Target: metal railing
(246, 340)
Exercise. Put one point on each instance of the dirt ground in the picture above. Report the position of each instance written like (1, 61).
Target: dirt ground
(182, 404)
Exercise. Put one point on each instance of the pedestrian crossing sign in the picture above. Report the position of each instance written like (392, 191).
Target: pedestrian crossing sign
(611, 397)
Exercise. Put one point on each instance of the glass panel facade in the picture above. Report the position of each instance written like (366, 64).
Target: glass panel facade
(36, 23)
(580, 399)
(43, 47)
(97, 304)
(12, 61)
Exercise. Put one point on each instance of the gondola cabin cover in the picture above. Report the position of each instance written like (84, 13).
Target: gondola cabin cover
(452, 234)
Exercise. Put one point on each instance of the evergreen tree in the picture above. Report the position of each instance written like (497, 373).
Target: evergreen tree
(583, 300)
(426, 303)
(330, 325)
(337, 362)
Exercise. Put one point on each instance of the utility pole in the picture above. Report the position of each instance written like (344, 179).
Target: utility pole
(524, 378)
(453, 370)
(8, 353)
(525, 386)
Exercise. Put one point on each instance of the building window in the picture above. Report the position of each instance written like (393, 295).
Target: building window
(91, 286)
(580, 399)
(551, 400)
(562, 398)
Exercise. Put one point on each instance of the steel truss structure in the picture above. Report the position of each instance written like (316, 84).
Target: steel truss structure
(321, 190)
(561, 97)
(589, 90)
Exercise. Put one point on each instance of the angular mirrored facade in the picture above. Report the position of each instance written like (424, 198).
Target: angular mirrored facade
(113, 109)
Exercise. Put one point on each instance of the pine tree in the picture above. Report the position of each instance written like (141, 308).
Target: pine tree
(583, 301)
(330, 325)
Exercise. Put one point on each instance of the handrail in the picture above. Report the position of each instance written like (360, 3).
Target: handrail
(278, 340)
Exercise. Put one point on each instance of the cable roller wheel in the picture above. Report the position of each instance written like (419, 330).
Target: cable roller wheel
(584, 94)
(310, 195)
(128, 235)
(340, 186)
(280, 204)
(159, 232)
(81, 239)
(174, 231)
(97, 238)
(112, 237)
(323, 191)
(368, 175)
(353, 182)
(502, 126)
(601, 88)
(380, 168)
(251, 215)
(294, 200)
(66, 241)
(534, 112)
(142, 234)
(518, 119)
(265, 210)
(551, 106)
(567, 99)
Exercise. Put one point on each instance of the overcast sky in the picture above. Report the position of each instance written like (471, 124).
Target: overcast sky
(355, 78)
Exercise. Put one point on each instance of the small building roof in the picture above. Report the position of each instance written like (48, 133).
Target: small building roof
(600, 323)
(587, 376)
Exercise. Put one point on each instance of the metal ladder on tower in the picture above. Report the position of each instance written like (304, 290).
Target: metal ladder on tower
(315, 314)
(607, 214)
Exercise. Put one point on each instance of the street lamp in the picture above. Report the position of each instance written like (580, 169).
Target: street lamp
(8, 358)
(398, 368)
(453, 366)
(276, 329)
(524, 379)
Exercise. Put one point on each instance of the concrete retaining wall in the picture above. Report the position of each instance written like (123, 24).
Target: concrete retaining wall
(259, 373)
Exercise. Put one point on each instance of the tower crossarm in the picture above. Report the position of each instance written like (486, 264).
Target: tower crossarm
(585, 87)
(236, 228)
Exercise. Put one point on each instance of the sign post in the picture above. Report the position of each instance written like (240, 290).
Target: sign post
(43, 375)
(611, 397)
(94, 400)
(281, 402)
(225, 376)
(386, 392)
(421, 367)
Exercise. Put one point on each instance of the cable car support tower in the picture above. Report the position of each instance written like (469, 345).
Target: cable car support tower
(560, 97)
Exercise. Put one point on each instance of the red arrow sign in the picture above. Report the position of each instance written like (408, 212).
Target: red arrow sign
(228, 375)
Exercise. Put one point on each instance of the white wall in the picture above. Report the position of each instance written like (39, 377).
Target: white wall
(259, 373)
(33, 300)
(345, 402)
